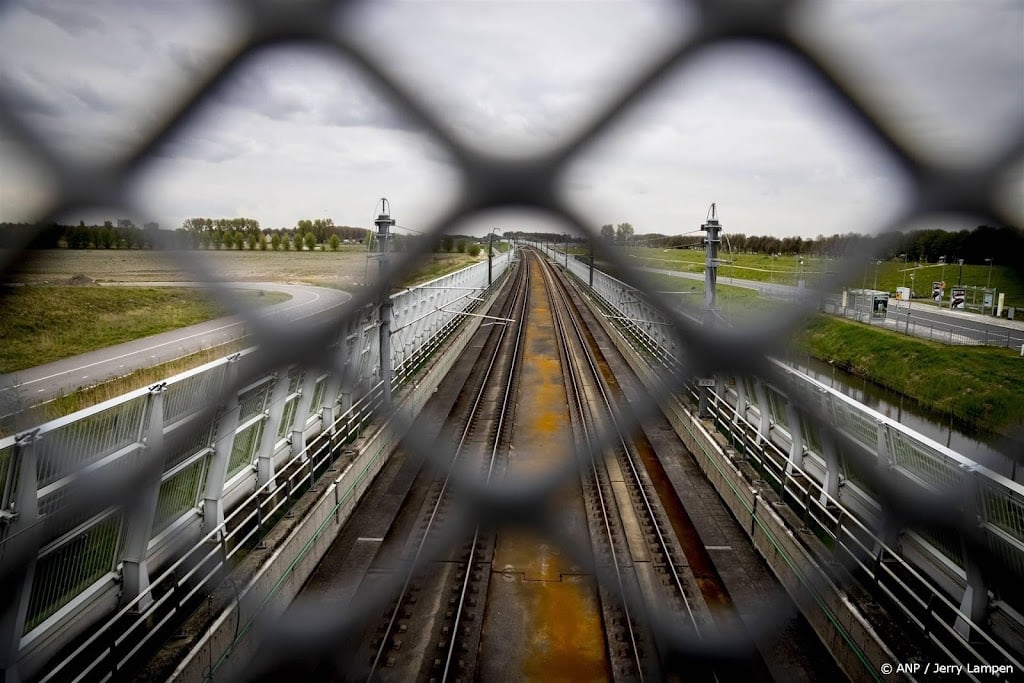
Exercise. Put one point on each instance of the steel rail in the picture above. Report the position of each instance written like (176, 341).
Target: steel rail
(502, 414)
(474, 410)
(628, 456)
(574, 380)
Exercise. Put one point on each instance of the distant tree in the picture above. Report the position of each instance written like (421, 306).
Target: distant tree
(253, 239)
(608, 233)
(460, 247)
(275, 241)
(623, 232)
(239, 239)
(446, 244)
(473, 250)
(310, 240)
(105, 236)
(335, 242)
(286, 242)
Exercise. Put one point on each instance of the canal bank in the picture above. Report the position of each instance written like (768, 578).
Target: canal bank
(983, 446)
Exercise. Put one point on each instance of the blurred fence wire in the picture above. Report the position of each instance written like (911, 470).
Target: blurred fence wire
(82, 521)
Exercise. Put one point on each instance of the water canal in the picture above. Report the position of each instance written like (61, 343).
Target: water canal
(984, 447)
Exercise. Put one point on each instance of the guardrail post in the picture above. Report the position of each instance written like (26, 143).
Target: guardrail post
(303, 411)
(889, 530)
(741, 399)
(273, 416)
(974, 602)
(765, 423)
(20, 548)
(833, 473)
(213, 498)
(796, 448)
(135, 568)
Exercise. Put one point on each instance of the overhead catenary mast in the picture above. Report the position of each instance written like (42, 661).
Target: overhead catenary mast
(711, 262)
(383, 222)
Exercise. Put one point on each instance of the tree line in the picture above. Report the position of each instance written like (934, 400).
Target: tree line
(1004, 244)
(195, 233)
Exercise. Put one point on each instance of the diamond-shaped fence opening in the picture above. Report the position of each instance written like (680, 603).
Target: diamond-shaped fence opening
(213, 423)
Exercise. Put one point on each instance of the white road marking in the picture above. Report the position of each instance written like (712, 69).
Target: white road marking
(177, 340)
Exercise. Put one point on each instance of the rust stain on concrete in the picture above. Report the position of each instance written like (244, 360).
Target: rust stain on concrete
(550, 625)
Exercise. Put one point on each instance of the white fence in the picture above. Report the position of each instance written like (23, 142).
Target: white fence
(72, 563)
(866, 464)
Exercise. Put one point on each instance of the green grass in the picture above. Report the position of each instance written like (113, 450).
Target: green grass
(41, 324)
(435, 265)
(975, 385)
(890, 274)
(81, 399)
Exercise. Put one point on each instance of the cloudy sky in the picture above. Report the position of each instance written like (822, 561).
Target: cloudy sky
(297, 133)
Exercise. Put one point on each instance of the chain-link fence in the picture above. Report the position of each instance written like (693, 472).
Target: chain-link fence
(88, 515)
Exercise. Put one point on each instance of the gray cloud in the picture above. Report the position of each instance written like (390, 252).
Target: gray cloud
(77, 20)
(296, 127)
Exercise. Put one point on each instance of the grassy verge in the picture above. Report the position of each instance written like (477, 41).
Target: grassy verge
(976, 385)
(90, 396)
(41, 324)
(435, 265)
(438, 265)
(886, 275)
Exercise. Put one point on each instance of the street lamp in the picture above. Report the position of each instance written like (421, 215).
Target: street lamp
(904, 257)
(877, 263)
(909, 300)
(960, 273)
(989, 261)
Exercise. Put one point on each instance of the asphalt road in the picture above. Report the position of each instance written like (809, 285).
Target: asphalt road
(44, 382)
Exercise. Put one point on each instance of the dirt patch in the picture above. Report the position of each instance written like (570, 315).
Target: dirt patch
(79, 280)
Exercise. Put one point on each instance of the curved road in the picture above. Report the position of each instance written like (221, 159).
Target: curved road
(44, 382)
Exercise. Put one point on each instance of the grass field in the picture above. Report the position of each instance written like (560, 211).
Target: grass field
(44, 323)
(48, 319)
(786, 269)
(345, 269)
(977, 385)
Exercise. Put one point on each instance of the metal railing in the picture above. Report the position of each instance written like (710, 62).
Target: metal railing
(254, 441)
(840, 497)
(85, 489)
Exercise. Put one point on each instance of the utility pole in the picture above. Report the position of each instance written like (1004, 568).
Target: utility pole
(960, 273)
(384, 222)
(490, 256)
(591, 262)
(714, 238)
(988, 284)
(711, 263)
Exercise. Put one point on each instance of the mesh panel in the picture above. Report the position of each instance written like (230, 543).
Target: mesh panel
(654, 324)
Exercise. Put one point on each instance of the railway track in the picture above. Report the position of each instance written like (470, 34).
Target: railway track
(628, 521)
(504, 601)
(429, 639)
